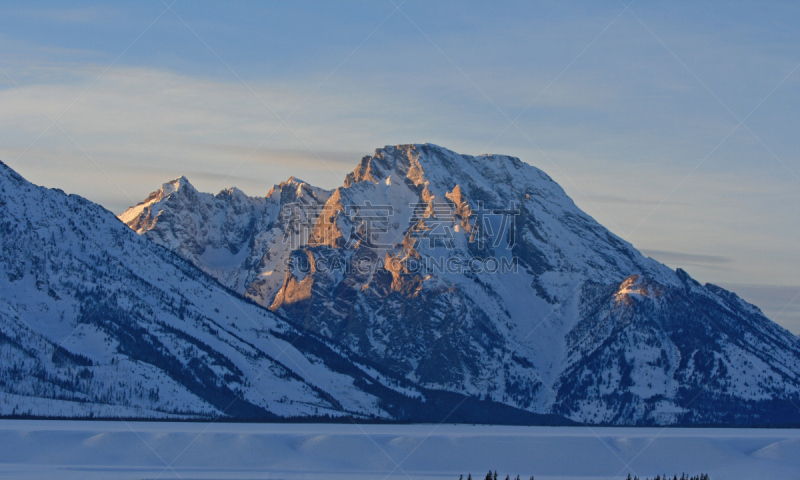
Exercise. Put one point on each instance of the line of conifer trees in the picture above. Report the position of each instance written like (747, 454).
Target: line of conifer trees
(703, 476)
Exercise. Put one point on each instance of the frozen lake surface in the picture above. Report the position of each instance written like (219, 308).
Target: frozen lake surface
(136, 450)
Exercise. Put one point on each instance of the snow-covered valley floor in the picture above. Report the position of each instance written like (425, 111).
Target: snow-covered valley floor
(137, 450)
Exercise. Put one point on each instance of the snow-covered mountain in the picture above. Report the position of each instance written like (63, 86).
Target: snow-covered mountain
(411, 264)
(97, 321)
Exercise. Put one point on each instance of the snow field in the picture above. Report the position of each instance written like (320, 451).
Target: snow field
(139, 450)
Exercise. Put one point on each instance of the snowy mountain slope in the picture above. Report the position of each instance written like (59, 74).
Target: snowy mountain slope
(688, 354)
(414, 264)
(130, 324)
(98, 321)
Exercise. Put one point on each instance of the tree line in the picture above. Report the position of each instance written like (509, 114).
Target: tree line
(703, 476)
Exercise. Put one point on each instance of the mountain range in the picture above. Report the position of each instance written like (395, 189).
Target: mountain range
(428, 283)
(98, 322)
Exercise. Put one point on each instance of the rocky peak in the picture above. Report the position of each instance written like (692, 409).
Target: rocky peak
(296, 190)
(180, 183)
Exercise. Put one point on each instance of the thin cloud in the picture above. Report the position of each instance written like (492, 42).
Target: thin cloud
(620, 200)
(680, 258)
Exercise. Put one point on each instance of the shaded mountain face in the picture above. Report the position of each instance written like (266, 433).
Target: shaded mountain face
(479, 275)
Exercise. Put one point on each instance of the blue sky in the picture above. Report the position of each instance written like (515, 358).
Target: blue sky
(675, 124)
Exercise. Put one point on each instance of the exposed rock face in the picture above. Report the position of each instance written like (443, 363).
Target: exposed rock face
(240, 240)
(415, 263)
